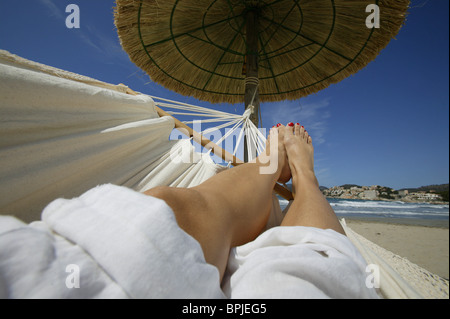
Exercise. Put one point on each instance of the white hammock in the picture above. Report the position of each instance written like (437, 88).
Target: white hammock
(62, 134)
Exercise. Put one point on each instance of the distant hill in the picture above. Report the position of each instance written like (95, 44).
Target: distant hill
(289, 186)
(348, 186)
(436, 188)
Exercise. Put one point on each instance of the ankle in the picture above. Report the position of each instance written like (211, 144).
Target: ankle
(304, 179)
(269, 166)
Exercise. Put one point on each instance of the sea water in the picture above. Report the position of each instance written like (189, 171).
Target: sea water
(384, 209)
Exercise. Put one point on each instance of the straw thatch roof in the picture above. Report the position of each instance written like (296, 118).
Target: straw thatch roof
(198, 48)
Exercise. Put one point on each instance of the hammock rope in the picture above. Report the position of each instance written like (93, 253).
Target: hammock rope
(232, 123)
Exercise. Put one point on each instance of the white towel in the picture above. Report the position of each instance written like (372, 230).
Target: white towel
(125, 244)
(297, 262)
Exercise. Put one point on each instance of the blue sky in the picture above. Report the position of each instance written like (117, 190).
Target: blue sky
(386, 125)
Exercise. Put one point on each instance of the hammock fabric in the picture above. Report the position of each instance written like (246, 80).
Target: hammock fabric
(62, 134)
(60, 137)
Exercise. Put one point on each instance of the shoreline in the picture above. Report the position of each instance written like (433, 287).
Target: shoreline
(424, 242)
(422, 222)
(391, 200)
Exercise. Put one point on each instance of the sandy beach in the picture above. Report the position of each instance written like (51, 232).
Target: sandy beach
(423, 242)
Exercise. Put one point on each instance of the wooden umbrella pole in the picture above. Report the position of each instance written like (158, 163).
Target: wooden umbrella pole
(251, 75)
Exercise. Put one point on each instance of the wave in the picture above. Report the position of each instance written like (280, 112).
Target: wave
(393, 205)
(370, 204)
(390, 214)
(393, 209)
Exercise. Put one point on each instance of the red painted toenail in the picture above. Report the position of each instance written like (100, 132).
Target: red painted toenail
(290, 124)
(298, 124)
(278, 125)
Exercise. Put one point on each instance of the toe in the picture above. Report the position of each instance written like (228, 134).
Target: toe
(288, 130)
(280, 131)
(302, 132)
(297, 129)
(273, 134)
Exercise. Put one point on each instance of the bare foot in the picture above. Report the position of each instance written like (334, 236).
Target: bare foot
(276, 140)
(300, 153)
(309, 208)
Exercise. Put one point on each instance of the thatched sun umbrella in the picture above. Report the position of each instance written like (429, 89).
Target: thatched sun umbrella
(238, 51)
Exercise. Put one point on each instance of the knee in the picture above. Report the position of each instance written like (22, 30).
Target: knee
(179, 199)
(168, 194)
(161, 192)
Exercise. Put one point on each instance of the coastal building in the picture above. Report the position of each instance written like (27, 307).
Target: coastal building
(425, 196)
(371, 194)
(403, 192)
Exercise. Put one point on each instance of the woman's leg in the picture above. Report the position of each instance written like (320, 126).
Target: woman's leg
(232, 207)
(310, 207)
